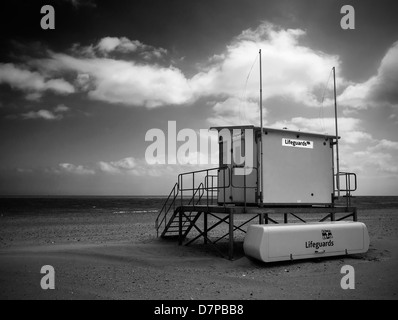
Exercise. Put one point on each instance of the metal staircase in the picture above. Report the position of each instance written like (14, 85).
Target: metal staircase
(168, 222)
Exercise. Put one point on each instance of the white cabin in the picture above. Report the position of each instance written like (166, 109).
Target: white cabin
(297, 167)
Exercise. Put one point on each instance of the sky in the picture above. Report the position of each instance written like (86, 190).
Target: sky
(77, 101)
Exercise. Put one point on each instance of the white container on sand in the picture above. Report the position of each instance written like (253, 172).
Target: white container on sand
(281, 242)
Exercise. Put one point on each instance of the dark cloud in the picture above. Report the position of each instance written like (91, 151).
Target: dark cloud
(380, 89)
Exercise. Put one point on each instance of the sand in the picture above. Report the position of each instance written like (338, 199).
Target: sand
(118, 256)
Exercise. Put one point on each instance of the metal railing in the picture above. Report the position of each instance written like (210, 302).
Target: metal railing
(210, 189)
(166, 208)
(163, 213)
(244, 187)
(196, 197)
(210, 185)
(195, 200)
(347, 187)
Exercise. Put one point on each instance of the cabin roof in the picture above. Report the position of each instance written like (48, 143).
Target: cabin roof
(266, 129)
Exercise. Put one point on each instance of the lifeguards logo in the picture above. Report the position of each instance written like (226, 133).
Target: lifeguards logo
(297, 143)
(327, 234)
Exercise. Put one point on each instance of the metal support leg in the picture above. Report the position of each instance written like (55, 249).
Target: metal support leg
(231, 236)
(332, 216)
(205, 227)
(355, 214)
(180, 228)
(265, 217)
(285, 217)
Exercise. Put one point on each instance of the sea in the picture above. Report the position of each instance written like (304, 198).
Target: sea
(41, 205)
(33, 205)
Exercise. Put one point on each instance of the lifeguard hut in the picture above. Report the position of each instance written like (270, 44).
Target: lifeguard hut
(277, 176)
(291, 168)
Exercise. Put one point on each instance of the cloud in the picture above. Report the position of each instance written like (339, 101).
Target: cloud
(372, 163)
(56, 114)
(133, 166)
(32, 82)
(107, 167)
(82, 81)
(34, 96)
(41, 114)
(292, 70)
(379, 90)
(289, 69)
(350, 129)
(75, 169)
(61, 108)
(354, 137)
(385, 145)
(119, 70)
(394, 118)
(120, 47)
(126, 164)
(113, 80)
(234, 111)
(124, 82)
(123, 44)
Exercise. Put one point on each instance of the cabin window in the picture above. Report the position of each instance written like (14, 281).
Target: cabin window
(239, 152)
(224, 153)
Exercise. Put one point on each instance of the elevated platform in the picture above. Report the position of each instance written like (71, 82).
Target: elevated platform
(268, 209)
(186, 218)
(190, 205)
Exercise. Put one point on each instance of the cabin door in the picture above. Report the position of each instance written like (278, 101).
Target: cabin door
(237, 180)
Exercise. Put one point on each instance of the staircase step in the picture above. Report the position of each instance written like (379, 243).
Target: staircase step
(174, 232)
(176, 228)
(171, 234)
(176, 221)
(177, 224)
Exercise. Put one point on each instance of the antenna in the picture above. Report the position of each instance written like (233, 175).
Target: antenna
(261, 133)
(337, 135)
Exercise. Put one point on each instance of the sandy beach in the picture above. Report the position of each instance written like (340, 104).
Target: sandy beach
(118, 256)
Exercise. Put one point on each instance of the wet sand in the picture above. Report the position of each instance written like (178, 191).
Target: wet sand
(118, 256)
